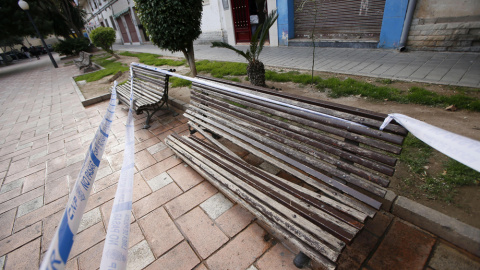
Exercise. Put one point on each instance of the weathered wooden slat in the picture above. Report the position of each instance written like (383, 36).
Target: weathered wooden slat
(206, 172)
(312, 124)
(212, 140)
(314, 139)
(270, 193)
(352, 126)
(271, 208)
(324, 188)
(265, 140)
(377, 118)
(145, 91)
(142, 78)
(343, 213)
(327, 180)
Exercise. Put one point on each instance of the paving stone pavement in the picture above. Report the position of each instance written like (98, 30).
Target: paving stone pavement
(179, 220)
(450, 68)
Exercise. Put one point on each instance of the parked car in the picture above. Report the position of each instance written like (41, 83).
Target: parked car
(15, 54)
(50, 47)
(41, 49)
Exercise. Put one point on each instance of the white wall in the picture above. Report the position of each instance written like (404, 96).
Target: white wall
(211, 25)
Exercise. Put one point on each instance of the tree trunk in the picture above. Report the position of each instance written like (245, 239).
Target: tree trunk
(190, 56)
(256, 73)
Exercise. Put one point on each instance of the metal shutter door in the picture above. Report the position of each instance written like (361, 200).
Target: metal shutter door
(339, 19)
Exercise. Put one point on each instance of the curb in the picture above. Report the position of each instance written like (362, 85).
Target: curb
(178, 104)
(91, 101)
(446, 227)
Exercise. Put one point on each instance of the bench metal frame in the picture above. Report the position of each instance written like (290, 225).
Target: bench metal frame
(150, 91)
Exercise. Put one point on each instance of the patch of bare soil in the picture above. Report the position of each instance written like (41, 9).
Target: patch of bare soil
(100, 87)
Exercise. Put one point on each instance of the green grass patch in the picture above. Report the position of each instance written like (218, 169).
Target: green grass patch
(415, 154)
(111, 67)
(153, 59)
(459, 174)
(177, 82)
(221, 69)
(443, 186)
(233, 79)
(385, 81)
(291, 76)
(124, 82)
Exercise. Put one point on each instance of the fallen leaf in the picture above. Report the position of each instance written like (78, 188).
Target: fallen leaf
(451, 108)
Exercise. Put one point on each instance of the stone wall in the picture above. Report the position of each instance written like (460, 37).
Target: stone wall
(445, 25)
(445, 34)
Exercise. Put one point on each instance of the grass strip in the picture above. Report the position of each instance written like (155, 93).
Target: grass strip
(153, 59)
(221, 69)
(111, 67)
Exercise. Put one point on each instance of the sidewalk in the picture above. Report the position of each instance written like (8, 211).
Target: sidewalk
(179, 220)
(451, 68)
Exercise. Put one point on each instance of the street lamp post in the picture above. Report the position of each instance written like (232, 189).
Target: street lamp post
(24, 5)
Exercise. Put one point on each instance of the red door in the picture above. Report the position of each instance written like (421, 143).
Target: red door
(241, 20)
(131, 28)
(122, 30)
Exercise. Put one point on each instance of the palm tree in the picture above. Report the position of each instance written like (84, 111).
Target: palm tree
(255, 68)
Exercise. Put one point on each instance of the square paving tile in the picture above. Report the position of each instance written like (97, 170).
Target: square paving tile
(404, 247)
(202, 232)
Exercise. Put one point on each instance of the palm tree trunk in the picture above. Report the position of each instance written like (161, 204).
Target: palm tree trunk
(256, 73)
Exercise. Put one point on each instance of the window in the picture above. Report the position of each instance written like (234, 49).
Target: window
(113, 23)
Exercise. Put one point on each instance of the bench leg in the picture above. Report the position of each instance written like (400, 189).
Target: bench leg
(147, 122)
(301, 260)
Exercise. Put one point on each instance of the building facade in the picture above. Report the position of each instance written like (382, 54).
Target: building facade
(440, 25)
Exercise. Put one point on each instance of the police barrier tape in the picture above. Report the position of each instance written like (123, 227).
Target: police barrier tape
(61, 245)
(460, 148)
(115, 250)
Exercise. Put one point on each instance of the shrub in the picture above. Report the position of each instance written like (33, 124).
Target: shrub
(72, 46)
(103, 37)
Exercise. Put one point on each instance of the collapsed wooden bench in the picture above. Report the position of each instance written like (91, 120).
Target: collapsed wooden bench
(150, 91)
(335, 157)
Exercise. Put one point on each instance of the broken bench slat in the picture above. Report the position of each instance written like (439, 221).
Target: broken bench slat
(332, 145)
(332, 193)
(372, 119)
(328, 147)
(361, 139)
(324, 249)
(210, 175)
(326, 179)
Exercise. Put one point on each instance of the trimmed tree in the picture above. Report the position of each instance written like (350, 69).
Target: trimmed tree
(172, 25)
(255, 68)
(104, 37)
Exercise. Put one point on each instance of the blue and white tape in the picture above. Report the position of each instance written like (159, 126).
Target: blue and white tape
(61, 245)
(115, 250)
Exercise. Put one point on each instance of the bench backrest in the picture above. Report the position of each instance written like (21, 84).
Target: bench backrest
(319, 142)
(149, 84)
(87, 59)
